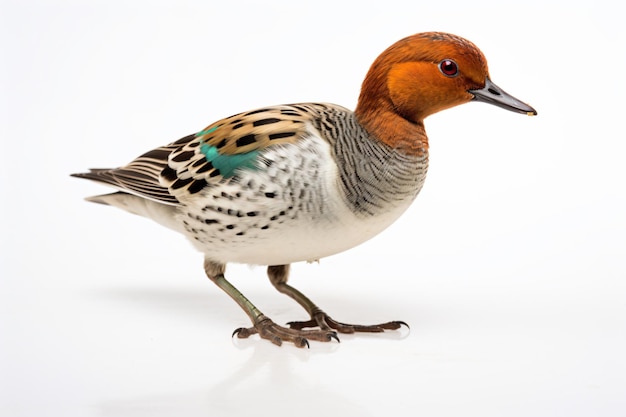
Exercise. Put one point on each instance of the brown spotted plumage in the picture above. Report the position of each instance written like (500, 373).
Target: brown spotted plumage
(257, 129)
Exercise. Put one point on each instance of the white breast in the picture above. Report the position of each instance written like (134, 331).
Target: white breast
(290, 210)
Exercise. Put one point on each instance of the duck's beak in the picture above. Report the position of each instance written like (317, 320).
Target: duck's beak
(493, 94)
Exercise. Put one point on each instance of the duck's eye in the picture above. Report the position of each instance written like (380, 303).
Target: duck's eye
(449, 68)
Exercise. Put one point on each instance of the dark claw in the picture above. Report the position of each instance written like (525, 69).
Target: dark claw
(403, 323)
(243, 333)
(306, 342)
(333, 335)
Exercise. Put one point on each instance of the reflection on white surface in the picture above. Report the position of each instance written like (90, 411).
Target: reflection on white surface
(509, 267)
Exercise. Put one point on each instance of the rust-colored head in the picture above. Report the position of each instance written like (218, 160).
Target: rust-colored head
(426, 73)
(423, 74)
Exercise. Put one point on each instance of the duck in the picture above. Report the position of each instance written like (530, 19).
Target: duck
(300, 182)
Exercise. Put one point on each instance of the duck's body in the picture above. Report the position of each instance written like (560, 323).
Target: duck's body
(330, 189)
(301, 182)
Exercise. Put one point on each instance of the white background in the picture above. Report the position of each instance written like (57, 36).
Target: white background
(510, 267)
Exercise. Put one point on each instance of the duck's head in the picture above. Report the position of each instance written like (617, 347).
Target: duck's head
(429, 72)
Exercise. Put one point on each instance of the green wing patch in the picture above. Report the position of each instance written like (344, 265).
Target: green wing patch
(232, 144)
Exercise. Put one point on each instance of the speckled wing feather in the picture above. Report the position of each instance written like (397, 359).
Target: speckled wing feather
(185, 167)
(231, 144)
(141, 176)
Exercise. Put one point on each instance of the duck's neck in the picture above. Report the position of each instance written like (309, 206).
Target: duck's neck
(394, 131)
(377, 176)
(377, 114)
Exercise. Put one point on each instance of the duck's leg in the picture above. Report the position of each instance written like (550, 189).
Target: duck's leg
(279, 274)
(262, 324)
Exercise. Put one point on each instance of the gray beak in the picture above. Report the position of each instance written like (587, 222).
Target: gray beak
(493, 94)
